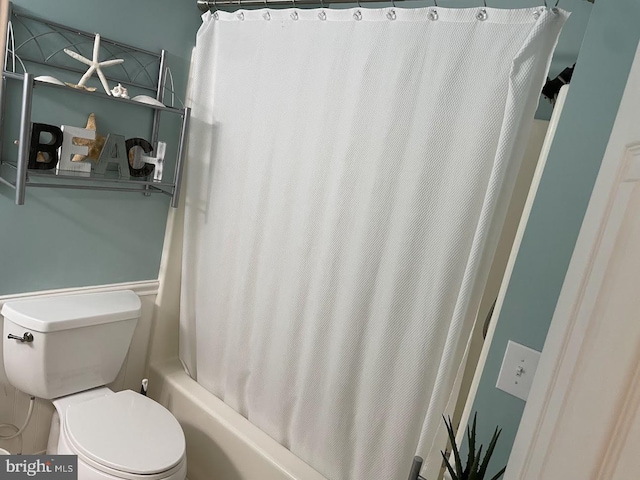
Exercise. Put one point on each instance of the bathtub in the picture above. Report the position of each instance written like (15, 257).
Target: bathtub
(221, 443)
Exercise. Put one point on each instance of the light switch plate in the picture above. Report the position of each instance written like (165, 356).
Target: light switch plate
(518, 369)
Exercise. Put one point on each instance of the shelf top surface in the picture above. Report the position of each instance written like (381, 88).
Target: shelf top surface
(109, 176)
(96, 94)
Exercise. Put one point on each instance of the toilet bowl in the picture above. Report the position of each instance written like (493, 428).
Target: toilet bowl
(66, 349)
(118, 435)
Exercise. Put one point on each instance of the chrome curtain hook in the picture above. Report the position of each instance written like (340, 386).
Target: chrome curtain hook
(435, 3)
(557, 3)
(545, 4)
(485, 2)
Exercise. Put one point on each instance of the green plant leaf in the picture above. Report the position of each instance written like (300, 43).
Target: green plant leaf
(475, 468)
(471, 436)
(449, 467)
(473, 474)
(499, 474)
(454, 447)
(487, 457)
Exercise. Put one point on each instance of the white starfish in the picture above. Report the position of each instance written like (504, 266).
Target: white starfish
(94, 64)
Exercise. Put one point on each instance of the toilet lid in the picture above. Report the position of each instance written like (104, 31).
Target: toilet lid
(126, 431)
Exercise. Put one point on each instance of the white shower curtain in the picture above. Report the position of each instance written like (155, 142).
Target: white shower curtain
(347, 178)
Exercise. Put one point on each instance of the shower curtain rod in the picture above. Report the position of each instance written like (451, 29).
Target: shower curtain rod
(205, 5)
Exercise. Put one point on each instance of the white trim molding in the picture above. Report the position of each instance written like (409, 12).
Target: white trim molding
(144, 288)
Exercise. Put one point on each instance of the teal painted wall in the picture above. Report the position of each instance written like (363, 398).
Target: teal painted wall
(71, 238)
(65, 238)
(603, 66)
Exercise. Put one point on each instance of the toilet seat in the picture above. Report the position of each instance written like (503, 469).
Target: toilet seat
(86, 465)
(126, 435)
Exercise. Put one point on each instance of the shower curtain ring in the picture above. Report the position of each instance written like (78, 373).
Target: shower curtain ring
(485, 2)
(435, 3)
(557, 3)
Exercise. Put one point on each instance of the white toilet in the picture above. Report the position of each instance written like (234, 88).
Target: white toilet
(66, 349)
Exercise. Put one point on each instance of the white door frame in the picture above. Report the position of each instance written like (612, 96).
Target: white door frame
(569, 403)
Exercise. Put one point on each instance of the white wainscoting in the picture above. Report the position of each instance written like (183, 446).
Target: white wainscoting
(14, 404)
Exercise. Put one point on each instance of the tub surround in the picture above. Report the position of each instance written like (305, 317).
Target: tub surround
(221, 443)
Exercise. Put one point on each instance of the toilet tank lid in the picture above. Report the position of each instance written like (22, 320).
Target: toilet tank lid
(51, 314)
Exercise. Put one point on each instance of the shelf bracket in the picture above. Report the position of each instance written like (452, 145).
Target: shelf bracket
(25, 137)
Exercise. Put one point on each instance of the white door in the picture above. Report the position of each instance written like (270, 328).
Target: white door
(582, 419)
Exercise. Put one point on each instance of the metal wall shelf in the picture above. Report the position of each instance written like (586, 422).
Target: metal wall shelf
(110, 181)
(42, 44)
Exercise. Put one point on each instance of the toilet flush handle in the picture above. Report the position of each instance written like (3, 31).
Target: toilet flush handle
(27, 337)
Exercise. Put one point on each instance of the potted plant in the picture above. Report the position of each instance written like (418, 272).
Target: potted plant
(475, 468)
(476, 465)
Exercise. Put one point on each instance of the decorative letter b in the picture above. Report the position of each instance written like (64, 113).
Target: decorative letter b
(44, 156)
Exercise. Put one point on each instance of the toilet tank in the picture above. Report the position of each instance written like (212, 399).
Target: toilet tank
(78, 341)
